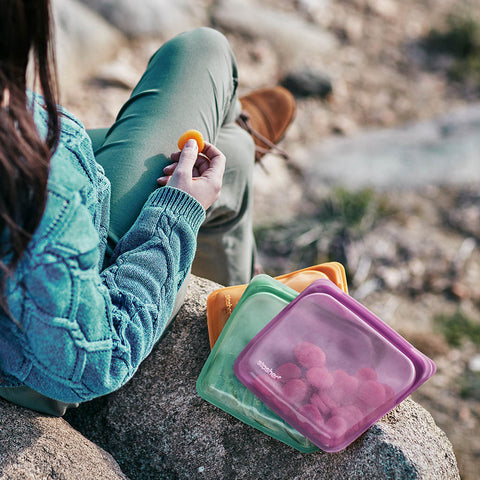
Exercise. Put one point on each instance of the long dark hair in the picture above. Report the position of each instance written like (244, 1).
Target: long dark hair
(25, 35)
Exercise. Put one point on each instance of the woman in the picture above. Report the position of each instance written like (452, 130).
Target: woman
(94, 257)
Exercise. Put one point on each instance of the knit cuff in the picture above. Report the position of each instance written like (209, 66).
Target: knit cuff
(179, 203)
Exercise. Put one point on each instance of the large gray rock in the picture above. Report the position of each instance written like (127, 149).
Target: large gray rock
(83, 41)
(297, 42)
(442, 151)
(147, 18)
(34, 447)
(158, 427)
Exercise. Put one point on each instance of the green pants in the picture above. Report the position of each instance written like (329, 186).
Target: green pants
(190, 82)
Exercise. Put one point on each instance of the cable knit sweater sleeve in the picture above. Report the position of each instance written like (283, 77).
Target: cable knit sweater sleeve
(79, 333)
(83, 334)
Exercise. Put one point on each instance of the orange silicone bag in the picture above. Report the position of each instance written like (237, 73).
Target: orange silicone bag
(221, 302)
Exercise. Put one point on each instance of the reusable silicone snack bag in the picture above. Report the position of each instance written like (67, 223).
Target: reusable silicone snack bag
(329, 367)
(262, 300)
(222, 301)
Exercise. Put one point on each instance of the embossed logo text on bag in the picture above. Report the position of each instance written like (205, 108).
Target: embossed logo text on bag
(268, 370)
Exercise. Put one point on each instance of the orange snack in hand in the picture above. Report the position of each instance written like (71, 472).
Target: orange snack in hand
(196, 135)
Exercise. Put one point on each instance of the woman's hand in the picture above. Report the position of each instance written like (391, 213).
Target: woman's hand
(199, 175)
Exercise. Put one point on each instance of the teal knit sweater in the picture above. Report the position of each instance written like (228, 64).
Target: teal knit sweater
(83, 332)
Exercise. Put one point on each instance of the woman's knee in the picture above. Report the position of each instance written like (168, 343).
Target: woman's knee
(204, 42)
(206, 37)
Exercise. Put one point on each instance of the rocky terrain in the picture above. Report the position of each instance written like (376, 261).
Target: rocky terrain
(411, 252)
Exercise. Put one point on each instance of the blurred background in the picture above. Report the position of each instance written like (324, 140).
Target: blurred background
(385, 168)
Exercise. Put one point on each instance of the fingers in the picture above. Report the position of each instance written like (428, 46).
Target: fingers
(210, 150)
(217, 160)
(202, 166)
(175, 156)
(169, 169)
(202, 163)
(168, 172)
(162, 181)
(187, 159)
(189, 164)
(199, 175)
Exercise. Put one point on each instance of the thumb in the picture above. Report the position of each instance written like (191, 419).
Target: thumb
(187, 159)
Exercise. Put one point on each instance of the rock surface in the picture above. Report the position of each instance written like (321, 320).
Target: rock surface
(380, 79)
(297, 41)
(158, 427)
(34, 447)
(83, 39)
(441, 151)
(146, 18)
(307, 82)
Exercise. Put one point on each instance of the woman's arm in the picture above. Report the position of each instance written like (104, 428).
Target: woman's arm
(84, 334)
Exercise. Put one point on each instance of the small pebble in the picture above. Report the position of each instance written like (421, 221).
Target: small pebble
(308, 83)
(474, 363)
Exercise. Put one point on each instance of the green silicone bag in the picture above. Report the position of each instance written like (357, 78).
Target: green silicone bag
(263, 299)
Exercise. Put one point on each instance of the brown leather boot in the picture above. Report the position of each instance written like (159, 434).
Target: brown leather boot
(266, 114)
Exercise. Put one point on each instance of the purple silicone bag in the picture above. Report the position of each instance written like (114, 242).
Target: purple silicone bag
(329, 367)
